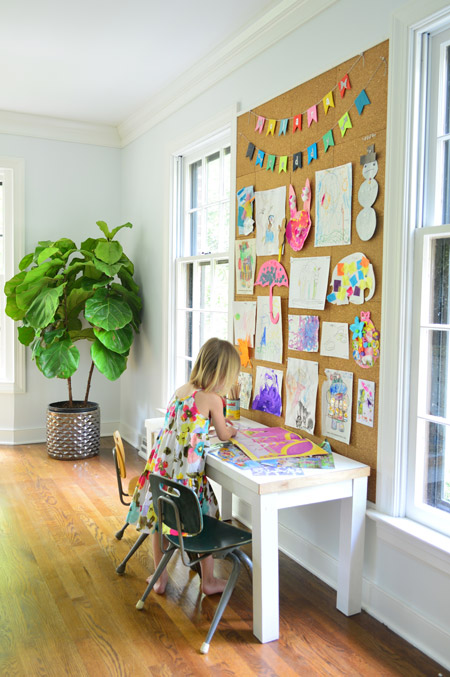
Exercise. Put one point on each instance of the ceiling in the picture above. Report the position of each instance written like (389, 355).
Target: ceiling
(100, 61)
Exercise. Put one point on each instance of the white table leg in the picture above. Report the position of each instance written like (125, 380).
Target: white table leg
(351, 549)
(265, 569)
(226, 504)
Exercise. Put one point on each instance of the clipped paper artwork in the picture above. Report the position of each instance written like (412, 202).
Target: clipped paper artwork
(334, 340)
(366, 402)
(333, 206)
(244, 319)
(268, 391)
(352, 276)
(270, 210)
(245, 381)
(272, 274)
(302, 380)
(299, 224)
(366, 221)
(269, 337)
(265, 443)
(337, 405)
(245, 198)
(366, 341)
(245, 266)
(309, 281)
(303, 333)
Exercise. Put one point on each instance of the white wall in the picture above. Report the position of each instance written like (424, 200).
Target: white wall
(68, 187)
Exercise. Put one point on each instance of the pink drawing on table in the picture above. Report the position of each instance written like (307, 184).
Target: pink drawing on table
(299, 224)
(366, 341)
(272, 273)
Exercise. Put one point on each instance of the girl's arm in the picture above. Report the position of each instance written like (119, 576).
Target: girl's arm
(223, 431)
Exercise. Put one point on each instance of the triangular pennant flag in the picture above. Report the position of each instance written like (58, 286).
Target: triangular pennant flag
(297, 161)
(312, 115)
(271, 127)
(312, 152)
(328, 101)
(260, 158)
(283, 164)
(345, 123)
(250, 150)
(297, 123)
(271, 162)
(260, 124)
(344, 84)
(361, 100)
(283, 126)
(328, 140)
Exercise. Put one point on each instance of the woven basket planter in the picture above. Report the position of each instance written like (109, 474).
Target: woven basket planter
(73, 432)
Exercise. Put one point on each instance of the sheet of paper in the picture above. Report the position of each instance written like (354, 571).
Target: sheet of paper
(245, 381)
(334, 340)
(245, 199)
(269, 336)
(337, 405)
(302, 380)
(351, 277)
(244, 320)
(276, 443)
(270, 210)
(309, 281)
(333, 206)
(365, 408)
(245, 262)
(303, 333)
(267, 395)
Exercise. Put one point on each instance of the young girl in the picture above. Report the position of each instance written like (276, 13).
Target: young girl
(182, 444)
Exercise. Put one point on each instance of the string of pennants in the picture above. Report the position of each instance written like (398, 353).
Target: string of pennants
(343, 123)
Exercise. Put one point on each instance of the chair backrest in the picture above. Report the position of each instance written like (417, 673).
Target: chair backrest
(170, 497)
(119, 454)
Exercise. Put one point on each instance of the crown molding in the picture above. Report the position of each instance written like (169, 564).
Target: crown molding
(268, 29)
(58, 129)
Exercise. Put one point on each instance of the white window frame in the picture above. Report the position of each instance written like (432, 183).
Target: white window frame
(12, 371)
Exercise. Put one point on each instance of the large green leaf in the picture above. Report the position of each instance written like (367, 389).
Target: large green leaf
(79, 334)
(42, 310)
(50, 336)
(107, 310)
(110, 234)
(39, 271)
(65, 245)
(127, 280)
(117, 340)
(88, 245)
(75, 301)
(60, 359)
(116, 230)
(110, 269)
(13, 283)
(46, 253)
(12, 309)
(109, 252)
(26, 293)
(132, 300)
(25, 262)
(26, 335)
(109, 363)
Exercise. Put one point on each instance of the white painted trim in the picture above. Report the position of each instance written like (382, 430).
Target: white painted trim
(272, 26)
(58, 129)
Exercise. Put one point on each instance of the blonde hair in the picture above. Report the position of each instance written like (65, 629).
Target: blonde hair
(216, 367)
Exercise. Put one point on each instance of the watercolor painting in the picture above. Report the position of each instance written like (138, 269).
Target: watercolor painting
(245, 261)
(309, 281)
(245, 198)
(303, 333)
(337, 405)
(365, 408)
(276, 443)
(270, 211)
(333, 206)
(302, 380)
(245, 381)
(267, 396)
(334, 340)
(244, 320)
(351, 277)
(269, 337)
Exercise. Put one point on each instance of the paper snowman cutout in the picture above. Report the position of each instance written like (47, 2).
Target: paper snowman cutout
(366, 221)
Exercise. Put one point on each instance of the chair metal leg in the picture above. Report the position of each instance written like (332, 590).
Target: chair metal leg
(223, 600)
(121, 531)
(159, 569)
(121, 568)
(247, 561)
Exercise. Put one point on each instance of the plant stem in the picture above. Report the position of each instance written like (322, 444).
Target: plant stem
(69, 385)
(88, 387)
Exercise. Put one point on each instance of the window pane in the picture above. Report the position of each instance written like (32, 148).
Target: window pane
(226, 172)
(435, 490)
(195, 182)
(434, 359)
(445, 187)
(213, 177)
(439, 281)
(447, 97)
(205, 285)
(197, 241)
(213, 229)
(221, 285)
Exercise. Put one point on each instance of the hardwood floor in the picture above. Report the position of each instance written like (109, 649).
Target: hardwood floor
(65, 611)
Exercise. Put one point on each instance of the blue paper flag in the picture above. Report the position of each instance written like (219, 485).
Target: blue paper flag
(361, 100)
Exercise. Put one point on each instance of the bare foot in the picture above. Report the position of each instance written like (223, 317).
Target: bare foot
(213, 586)
(161, 583)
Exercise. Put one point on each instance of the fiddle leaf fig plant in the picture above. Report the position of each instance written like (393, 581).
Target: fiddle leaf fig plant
(64, 294)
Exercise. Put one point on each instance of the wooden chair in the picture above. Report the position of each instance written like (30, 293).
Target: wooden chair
(118, 453)
(198, 537)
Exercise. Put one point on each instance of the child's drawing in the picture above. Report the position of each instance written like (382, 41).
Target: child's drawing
(334, 340)
(309, 280)
(351, 276)
(302, 380)
(366, 341)
(270, 210)
(269, 337)
(303, 333)
(333, 206)
(244, 319)
(245, 198)
(245, 266)
(268, 390)
(366, 402)
(337, 405)
(245, 381)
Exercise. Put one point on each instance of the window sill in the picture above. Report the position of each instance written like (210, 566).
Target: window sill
(417, 540)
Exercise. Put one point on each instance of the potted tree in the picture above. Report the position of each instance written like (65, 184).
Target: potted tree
(64, 294)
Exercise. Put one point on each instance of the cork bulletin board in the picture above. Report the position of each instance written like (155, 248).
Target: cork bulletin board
(368, 73)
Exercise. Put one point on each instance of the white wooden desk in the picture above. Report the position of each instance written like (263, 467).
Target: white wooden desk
(268, 494)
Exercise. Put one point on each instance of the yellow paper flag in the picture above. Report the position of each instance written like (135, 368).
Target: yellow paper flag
(328, 101)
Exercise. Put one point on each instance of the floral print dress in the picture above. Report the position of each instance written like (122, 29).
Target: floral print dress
(179, 453)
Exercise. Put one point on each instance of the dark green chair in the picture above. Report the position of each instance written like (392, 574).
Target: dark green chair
(178, 507)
